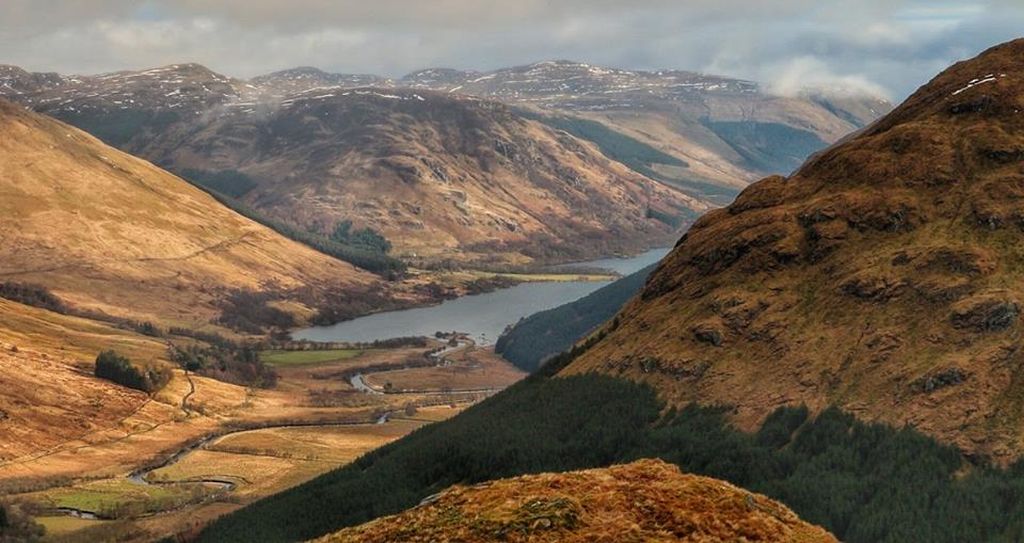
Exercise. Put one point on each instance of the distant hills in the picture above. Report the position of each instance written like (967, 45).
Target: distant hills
(549, 162)
(721, 132)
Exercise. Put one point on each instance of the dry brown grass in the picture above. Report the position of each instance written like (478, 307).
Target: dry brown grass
(111, 232)
(647, 500)
(74, 435)
(262, 462)
(334, 445)
(471, 369)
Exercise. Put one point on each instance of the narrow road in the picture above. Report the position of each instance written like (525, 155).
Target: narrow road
(460, 344)
(359, 384)
(191, 391)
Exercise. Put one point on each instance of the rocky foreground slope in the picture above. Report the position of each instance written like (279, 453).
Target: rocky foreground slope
(885, 277)
(648, 500)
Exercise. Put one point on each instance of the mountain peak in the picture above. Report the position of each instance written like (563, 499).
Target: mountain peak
(189, 70)
(16, 80)
(303, 78)
(988, 86)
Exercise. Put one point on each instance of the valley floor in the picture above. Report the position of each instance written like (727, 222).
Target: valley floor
(141, 467)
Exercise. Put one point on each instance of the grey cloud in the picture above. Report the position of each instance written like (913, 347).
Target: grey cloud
(889, 46)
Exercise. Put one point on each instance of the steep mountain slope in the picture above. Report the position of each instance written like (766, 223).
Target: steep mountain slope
(883, 277)
(113, 233)
(534, 339)
(647, 500)
(445, 177)
(724, 133)
(441, 177)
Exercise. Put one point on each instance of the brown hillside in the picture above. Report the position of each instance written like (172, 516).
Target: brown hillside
(449, 176)
(49, 395)
(729, 132)
(110, 232)
(647, 500)
(886, 276)
(440, 176)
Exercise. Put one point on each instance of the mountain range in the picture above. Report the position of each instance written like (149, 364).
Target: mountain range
(719, 133)
(547, 162)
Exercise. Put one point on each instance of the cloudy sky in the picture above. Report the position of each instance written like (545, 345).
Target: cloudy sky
(889, 46)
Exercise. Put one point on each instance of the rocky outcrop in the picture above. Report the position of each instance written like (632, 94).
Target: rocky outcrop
(985, 314)
(647, 500)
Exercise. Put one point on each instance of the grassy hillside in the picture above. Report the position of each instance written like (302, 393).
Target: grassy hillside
(110, 233)
(768, 147)
(228, 186)
(617, 146)
(864, 483)
(542, 335)
(643, 158)
(49, 393)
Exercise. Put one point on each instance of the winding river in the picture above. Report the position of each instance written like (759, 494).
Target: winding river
(484, 316)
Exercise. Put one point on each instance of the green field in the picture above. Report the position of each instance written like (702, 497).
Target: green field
(299, 358)
(118, 497)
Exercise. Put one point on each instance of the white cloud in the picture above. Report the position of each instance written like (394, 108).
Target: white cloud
(806, 72)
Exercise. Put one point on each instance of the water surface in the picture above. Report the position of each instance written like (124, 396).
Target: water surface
(483, 316)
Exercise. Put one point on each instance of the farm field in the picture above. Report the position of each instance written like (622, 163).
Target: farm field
(339, 444)
(299, 358)
(467, 369)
